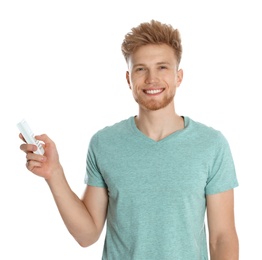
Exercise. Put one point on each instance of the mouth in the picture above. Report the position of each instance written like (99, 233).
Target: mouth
(153, 91)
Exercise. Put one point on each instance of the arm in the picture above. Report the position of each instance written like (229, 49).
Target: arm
(223, 239)
(84, 218)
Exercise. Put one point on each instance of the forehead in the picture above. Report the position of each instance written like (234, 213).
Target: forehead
(152, 54)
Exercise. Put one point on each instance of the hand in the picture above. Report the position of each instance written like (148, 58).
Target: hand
(42, 165)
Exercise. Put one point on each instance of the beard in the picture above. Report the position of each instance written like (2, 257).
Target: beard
(153, 104)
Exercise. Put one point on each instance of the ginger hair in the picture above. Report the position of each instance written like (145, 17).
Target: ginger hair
(153, 32)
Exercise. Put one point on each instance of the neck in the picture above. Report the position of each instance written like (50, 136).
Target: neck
(160, 123)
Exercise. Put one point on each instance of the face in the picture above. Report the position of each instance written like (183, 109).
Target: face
(153, 76)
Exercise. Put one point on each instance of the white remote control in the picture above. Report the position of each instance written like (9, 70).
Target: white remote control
(29, 136)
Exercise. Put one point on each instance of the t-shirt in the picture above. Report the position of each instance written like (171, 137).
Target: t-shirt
(157, 189)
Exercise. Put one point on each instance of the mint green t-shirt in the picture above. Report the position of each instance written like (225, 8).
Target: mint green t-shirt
(157, 190)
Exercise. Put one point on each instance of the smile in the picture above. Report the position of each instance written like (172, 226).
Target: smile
(153, 91)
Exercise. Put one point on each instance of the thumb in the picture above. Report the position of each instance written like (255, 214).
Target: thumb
(44, 138)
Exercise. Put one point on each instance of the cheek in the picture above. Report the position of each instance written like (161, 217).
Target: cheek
(134, 84)
(172, 82)
(137, 77)
(135, 90)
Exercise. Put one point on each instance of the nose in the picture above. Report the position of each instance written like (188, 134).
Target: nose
(151, 77)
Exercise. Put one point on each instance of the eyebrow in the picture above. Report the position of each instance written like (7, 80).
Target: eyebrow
(158, 63)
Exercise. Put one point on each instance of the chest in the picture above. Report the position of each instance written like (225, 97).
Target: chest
(155, 171)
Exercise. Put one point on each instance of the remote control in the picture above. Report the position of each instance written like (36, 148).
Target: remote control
(29, 136)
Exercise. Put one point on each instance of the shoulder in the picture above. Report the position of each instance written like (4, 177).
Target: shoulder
(205, 132)
(113, 131)
(114, 128)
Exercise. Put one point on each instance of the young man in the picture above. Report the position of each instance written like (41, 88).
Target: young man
(153, 175)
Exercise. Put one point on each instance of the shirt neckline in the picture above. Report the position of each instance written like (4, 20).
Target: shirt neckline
(141, 135)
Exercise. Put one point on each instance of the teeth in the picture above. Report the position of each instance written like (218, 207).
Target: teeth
(153, 91)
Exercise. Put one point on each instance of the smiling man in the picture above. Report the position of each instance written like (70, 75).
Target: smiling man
(152, 176)
(153, 76)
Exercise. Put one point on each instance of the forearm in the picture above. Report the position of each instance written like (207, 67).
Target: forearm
(225, 249)
(72, 210)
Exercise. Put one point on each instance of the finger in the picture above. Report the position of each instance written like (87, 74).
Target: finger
(28, 148)
(35, 157)
(45, 141)
(21, 137)
(30, 164)
(43, 138)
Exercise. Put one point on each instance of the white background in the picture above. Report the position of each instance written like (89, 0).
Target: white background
(62, 69)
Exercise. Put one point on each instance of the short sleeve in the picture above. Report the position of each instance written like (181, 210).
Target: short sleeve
(93, 176)
(222, 174)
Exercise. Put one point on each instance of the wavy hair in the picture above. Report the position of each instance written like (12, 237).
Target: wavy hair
(153, 32)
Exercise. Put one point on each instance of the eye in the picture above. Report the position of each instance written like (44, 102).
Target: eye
(140, 69)
(163, 67)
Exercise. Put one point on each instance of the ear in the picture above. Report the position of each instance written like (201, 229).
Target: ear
(180, 74)
(127, 79)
